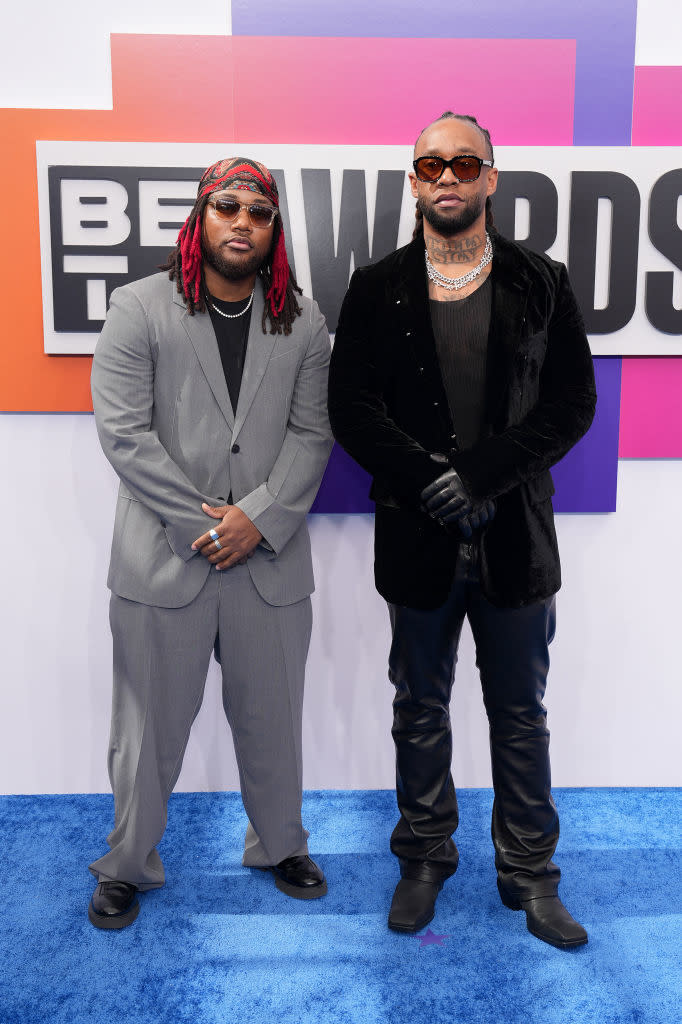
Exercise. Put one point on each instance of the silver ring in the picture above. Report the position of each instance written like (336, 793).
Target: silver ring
(217, 544)
(213, 535)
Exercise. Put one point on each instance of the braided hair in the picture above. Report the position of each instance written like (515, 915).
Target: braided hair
(185, 261)
(447, 116)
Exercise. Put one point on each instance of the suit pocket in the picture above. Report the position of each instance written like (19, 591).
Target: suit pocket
(140, 542)
(529, 360)
(290, 353)
(380, 494)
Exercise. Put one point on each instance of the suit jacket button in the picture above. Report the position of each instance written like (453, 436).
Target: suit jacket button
(435, 403)
(235, 449)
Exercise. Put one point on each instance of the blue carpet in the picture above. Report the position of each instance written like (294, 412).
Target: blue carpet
(219, 944)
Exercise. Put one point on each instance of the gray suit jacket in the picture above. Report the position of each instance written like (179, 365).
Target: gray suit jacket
(166, 424)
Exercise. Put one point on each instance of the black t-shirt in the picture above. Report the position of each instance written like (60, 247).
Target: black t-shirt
(232, 334)
(460, 328)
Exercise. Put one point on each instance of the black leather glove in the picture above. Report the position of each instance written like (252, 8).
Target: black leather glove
(446, 497)
(447, 500)
(480, 515)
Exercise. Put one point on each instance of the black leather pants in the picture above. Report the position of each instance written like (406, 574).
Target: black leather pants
(513, 658)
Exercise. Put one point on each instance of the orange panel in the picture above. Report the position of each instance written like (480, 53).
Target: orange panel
(165, 88)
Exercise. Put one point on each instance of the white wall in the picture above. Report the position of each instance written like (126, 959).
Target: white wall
(659, 30)
(614, 698)
(61, 57)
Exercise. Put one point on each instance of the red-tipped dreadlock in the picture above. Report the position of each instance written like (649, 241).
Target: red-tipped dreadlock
(190, 252)
(185, 263)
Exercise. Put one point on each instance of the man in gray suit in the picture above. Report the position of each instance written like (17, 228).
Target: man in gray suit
(210, 403)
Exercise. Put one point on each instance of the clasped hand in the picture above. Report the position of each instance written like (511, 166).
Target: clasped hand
(447, 500)
(236, 535)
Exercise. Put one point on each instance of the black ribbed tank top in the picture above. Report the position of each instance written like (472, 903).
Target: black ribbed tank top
(461, 330)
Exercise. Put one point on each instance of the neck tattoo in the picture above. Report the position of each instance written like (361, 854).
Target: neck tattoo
(459, 282)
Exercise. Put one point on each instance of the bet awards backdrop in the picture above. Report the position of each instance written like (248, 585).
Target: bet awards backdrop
(106, 224)
(107, 134)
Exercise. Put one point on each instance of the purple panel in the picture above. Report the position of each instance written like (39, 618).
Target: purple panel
(344, 487)
(585, 479)
(603, 29)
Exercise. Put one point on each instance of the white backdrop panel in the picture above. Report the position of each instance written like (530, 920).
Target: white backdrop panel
(614, 697)
(60, 57)
(659, 31)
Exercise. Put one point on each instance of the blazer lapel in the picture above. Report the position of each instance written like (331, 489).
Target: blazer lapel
(258, 351)
(201, 334)
(511, 288)
(412, 296)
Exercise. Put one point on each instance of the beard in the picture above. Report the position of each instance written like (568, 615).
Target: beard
(234, 267)
(448, 223)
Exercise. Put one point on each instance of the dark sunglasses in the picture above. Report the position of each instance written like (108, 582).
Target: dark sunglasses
(229, 209)
(464, 168)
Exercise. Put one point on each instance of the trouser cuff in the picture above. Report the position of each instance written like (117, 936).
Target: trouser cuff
(425, 871)
(530, 888)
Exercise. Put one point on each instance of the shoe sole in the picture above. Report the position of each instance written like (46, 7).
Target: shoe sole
(113, 921)
(298, 892)
(411, 931)
(513, 904)
(307, 892)
(557, 943)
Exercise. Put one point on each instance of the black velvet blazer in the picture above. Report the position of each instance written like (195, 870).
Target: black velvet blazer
(389, 410)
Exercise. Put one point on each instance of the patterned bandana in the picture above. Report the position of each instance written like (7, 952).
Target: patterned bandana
(234, 172)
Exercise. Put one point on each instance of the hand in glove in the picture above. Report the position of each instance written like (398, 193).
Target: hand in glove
(446, 498)
(480, 515)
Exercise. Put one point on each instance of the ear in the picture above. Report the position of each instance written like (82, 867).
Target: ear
(413, 183)
(492, 181)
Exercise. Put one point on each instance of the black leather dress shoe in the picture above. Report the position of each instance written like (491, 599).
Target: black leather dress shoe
(299, 877)
(113, 905)
(413, 905)
(547, 919)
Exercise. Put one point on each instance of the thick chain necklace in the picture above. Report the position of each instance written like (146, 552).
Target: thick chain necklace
(231, 316)
(459, 282)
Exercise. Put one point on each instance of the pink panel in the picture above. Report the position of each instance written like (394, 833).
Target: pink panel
(383, 91)
(651, 395)
(657, 109)
(651, 409)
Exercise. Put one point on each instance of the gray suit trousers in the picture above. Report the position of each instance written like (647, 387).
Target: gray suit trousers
(161, 657)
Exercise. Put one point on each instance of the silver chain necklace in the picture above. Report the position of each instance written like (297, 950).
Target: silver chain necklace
(232, 316)
(459, 282)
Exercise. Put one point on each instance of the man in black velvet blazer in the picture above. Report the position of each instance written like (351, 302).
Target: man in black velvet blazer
(461, 372)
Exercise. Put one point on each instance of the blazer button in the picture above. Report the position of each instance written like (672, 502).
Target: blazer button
(235, 449)
(408, 334)
(421, 369)
(435, 404)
